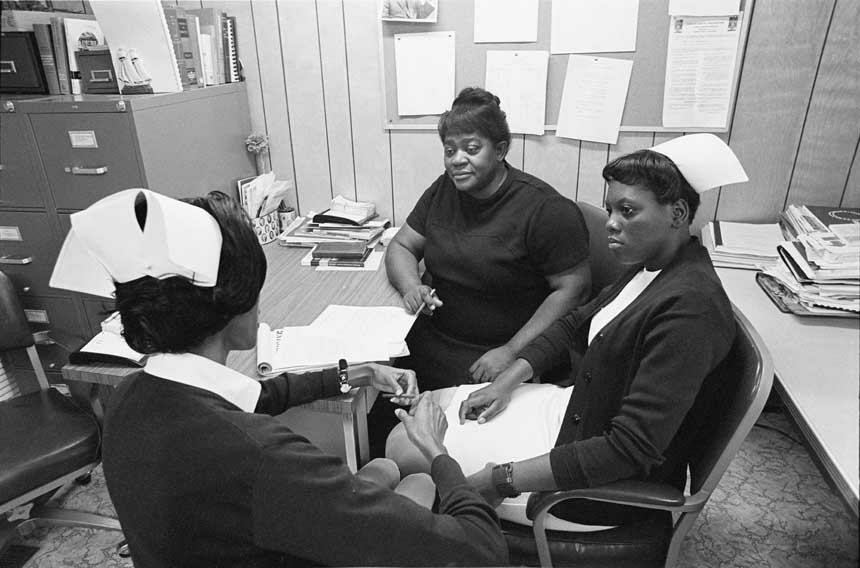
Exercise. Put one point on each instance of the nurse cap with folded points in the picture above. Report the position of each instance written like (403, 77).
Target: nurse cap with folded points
(704, 160)
(135, 233)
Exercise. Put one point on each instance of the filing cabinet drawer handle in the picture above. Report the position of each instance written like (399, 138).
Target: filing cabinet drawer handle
(15, 259)
(78, 171)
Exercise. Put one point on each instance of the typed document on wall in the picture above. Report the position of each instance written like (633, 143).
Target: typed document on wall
(700, 66)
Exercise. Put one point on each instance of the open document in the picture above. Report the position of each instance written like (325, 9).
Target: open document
(355, 333)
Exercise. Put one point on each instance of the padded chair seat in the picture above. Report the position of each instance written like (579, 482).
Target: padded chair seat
(43, 436)
(641, 545)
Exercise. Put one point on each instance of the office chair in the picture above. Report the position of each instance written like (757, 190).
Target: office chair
(605, 269)
(46, 440)
(749, 367)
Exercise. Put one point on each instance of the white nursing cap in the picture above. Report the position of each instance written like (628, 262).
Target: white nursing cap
(106, 244)
(705, 161)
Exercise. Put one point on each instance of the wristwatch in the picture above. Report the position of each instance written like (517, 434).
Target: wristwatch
(503, 479)
(343, 376)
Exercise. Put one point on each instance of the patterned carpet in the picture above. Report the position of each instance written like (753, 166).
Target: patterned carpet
(772, 508)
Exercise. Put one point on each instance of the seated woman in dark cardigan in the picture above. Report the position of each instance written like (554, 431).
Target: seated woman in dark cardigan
(644, 352)
(198, 467)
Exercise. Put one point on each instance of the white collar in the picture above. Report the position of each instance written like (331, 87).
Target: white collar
(200, 372)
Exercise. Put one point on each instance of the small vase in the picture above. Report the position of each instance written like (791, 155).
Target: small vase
(263, 164)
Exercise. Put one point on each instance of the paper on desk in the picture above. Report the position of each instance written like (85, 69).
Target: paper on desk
(386, 325)
(306, 347)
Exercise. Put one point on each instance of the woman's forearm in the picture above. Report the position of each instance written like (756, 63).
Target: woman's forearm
(402, 268)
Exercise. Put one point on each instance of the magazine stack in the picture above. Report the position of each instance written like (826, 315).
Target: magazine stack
(820, 269)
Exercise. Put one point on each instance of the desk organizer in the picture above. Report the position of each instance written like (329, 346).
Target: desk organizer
(267, 227)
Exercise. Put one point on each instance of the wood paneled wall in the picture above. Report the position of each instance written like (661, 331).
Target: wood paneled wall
(313, 73)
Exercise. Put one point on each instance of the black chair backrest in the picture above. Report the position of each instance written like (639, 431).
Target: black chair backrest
(16, 333)
(605, 268)
(747, 371)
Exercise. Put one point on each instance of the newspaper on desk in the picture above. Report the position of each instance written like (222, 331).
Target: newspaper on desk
(355, 333)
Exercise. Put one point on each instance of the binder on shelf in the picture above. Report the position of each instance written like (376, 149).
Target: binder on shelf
(46, 54)
(61, 58)
(210, 25)
(232, 67)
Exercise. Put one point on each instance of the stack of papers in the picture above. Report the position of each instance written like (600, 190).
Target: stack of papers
(820, 269)
(742, 245)
(261, 195)
(355, 333)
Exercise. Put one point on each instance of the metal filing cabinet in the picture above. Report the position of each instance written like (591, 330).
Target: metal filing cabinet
(59, 154)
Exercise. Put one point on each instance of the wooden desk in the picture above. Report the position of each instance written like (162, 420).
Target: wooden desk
(294, 295)
(816, 365)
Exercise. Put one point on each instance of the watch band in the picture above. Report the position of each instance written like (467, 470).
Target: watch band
(343, 376)
(503, 479)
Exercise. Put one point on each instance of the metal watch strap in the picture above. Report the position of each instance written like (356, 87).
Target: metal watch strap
(503, 479)
(343, 376)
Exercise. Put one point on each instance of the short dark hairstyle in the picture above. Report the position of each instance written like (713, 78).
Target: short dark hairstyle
(655, 172)
(475, 110)
(172, 315)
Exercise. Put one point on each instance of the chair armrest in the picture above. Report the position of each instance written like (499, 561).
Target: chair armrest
(645, 494)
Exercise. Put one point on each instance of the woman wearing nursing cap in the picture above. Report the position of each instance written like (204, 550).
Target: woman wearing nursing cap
(644, 355)
(198, 468)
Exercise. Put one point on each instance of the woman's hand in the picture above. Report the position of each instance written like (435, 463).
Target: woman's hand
(396, 381)
(421, 295)
(491, 363)
(482, 481)
(425, 425)
(483, 404)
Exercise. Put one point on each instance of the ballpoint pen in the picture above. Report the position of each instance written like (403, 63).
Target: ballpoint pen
(424, 304)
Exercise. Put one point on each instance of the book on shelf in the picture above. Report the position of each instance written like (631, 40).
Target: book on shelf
(61, 57)
(229, 37)
(177, 25)
(210, 25)
(46, 54)
(347, 212)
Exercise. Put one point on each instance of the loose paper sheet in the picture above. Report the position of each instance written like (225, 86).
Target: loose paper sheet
(700, 66)
(703, 7)
(500, 21)
(592, 103)
(588, 26)
(518, 78)
(424, 64)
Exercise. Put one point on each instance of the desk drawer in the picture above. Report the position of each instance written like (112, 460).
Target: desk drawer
(21, 178)
(59, 316)
(28, 237)
(87, 156)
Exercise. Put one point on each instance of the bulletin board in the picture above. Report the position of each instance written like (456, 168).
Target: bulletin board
(643, 111)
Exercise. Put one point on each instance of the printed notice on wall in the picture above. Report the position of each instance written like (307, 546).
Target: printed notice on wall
(592, 103)
(424, 63)
(700, 68)
(518, 78)
(501, 21)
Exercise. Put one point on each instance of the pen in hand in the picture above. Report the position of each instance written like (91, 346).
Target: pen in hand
(424, 304)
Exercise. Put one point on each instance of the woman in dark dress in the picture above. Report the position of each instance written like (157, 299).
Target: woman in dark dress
(504, 252)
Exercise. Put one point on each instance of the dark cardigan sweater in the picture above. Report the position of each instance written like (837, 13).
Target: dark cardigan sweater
(198, 482)
(645, 388)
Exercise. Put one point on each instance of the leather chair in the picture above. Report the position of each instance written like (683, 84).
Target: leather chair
(604, 267)
(46, 440)
(749, 368)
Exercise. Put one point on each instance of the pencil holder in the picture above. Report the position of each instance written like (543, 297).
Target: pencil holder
(267, 227)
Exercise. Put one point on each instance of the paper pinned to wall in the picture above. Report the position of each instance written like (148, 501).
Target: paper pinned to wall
(592, 103)
(700, 66)
(586, 26)
(518, 78)
(703, 7)
(424, 63)
(140, 25)
(501, 21)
